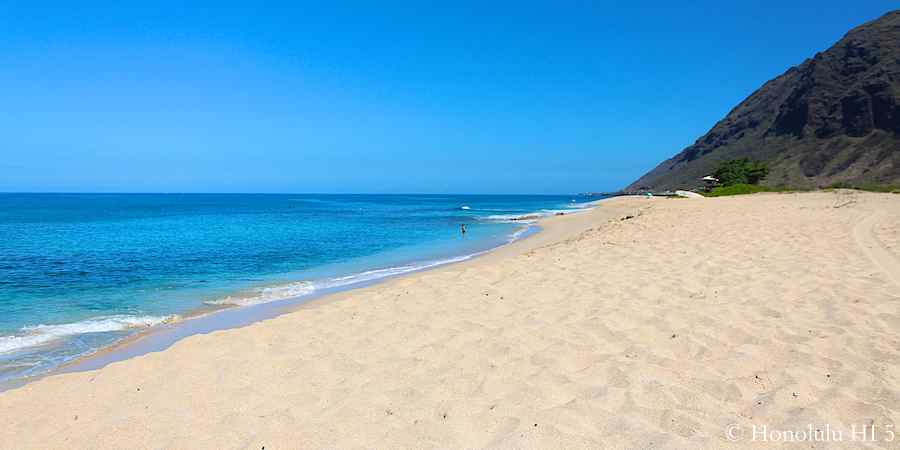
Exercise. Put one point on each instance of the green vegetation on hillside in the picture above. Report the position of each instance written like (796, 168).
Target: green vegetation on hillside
(741, 171)
(741, 189)
(868, 187)
(739, 176)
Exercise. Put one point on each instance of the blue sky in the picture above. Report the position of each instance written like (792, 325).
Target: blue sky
(469, 97)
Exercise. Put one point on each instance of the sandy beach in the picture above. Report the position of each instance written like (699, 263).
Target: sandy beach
(644, 323)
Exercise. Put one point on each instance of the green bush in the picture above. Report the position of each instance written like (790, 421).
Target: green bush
(741, 171)
(738, 189)
(867, 187)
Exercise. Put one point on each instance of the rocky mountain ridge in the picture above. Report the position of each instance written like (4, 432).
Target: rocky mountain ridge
(835, 118)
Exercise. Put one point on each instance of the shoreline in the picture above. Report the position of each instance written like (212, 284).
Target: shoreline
(644, 323)
(210, 318)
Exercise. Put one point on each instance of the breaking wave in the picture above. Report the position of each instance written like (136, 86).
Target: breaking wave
(266, 294)
(37, 335)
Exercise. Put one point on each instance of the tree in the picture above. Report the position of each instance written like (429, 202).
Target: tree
(741, 171)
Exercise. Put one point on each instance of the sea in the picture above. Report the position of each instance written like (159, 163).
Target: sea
(80, 272)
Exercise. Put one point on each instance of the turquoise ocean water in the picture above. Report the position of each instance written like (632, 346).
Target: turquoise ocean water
(80, 271)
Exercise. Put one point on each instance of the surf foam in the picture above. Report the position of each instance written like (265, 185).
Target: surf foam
(267, 294)
(303, 288)
(37, 335)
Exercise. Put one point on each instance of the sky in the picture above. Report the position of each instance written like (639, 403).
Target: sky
(381, 97)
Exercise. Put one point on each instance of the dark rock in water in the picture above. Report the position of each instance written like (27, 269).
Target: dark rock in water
(834, 118)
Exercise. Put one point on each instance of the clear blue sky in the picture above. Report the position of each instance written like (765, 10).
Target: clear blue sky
(471, 97)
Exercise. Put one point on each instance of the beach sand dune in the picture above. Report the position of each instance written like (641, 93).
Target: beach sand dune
(683, 326)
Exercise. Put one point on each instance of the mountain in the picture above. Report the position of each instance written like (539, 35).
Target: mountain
(834, 118)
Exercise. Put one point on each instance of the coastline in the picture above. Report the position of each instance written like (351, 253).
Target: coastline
(665, 329)
(212, 317)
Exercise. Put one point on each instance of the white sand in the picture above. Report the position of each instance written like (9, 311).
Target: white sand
(660, 331)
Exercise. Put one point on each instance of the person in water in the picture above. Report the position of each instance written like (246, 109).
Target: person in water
(462, 228)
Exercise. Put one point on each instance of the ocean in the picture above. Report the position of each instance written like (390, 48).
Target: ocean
(79, 272)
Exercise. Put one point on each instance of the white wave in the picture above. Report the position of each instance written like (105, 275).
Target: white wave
(465, 207)
(36, 335)
(266, 294)
(583, 205)
(516, 235)
(378, 274)
(522, 218)
(513, 217)
(534, 216)
(12, 343)
(302, 288)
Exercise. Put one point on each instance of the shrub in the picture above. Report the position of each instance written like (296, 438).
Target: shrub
(738, 189)
(866, 187)
(879, 188)
(741, 171)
